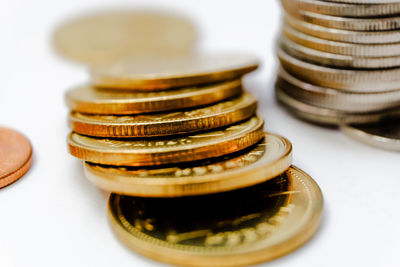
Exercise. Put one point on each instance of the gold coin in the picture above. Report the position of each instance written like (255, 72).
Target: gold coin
(146, 152)
(92, 100)
(158, 73)
(345, 9)
(107, 37)
(256, 164)
(235, 228)
(163, 124)
(364, 81)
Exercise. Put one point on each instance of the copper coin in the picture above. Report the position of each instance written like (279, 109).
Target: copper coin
(15, 156)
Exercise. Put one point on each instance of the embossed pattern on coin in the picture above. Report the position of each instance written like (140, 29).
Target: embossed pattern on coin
(240, 227)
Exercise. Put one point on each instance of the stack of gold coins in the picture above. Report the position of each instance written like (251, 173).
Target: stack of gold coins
(195, 179)
(340, 61)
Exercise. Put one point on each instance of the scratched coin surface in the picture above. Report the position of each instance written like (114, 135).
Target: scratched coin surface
(158, 151)
(110, 36)
(266, 160)
(163, 124)
(92, 100)
(15, 156)
(158, 73)
(235, 228)
(384, 134)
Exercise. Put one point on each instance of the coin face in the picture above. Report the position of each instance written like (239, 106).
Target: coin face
(107, 37)
(235, 228)
(158, 151)
(384, 134)
(256, 164)
(15, 156)
(163, 124)
(158, 73)
(92, 100)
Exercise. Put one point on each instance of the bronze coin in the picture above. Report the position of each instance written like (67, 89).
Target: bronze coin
(15, 156)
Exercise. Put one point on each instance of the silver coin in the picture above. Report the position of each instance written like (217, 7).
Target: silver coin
(335, 60)
(342, 101)
(326, 116)
(362, 81)
(344, 9)
(341, 48)
(356, 37)
(384, 134)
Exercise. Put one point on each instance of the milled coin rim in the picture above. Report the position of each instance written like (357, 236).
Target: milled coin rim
(166, 127)
(183, 98)
(256, 172)
(175, 153)
(300, 233)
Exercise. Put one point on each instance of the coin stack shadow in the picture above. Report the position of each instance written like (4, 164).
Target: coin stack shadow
(183, 162)
(340, 61)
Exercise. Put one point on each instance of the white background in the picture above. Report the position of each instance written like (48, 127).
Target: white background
(55, 217)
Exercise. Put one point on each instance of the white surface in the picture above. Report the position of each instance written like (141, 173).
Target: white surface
(55, 217)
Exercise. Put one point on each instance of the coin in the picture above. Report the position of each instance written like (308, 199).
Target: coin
(163, 124)
(336, 99)
(240, 227)
(364, 1)
(359, 50)
(266, 160)
(353, 24)
(335, 60)
(158, 151)
(15, 156)
(384, 134)
(357, 37)
(114, 35)
(325, 116)
(92, 100)
(350, 80)
(158, 73)
(345, 9)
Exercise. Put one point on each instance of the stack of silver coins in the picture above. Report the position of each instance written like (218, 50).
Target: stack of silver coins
(340, 63)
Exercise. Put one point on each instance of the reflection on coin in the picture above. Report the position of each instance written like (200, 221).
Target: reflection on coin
(327, 116)
(240, 227)
(91, 100)
(344, 10)
(162, 124)
(157, 151)
(342, 61)
(111, 36)
(336, 99)
(357, 37)
(158, 73)
(256, 164)
(344, 79)
(360, 50)
(384, 134)
(15, 156)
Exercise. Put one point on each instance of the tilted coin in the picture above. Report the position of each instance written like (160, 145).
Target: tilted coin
(15, 156)
(364, 1)
(342, 61)
(158, 73)
(264, 161)
(336, 99)
(384, 134)
(357, 37)
(345, 9)
(158, 151)
(349, 80)
(342, 48)
(327, 116)
(92, 100)
(346, 23)
(235, 228)
(111, 36)
(163, 124)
